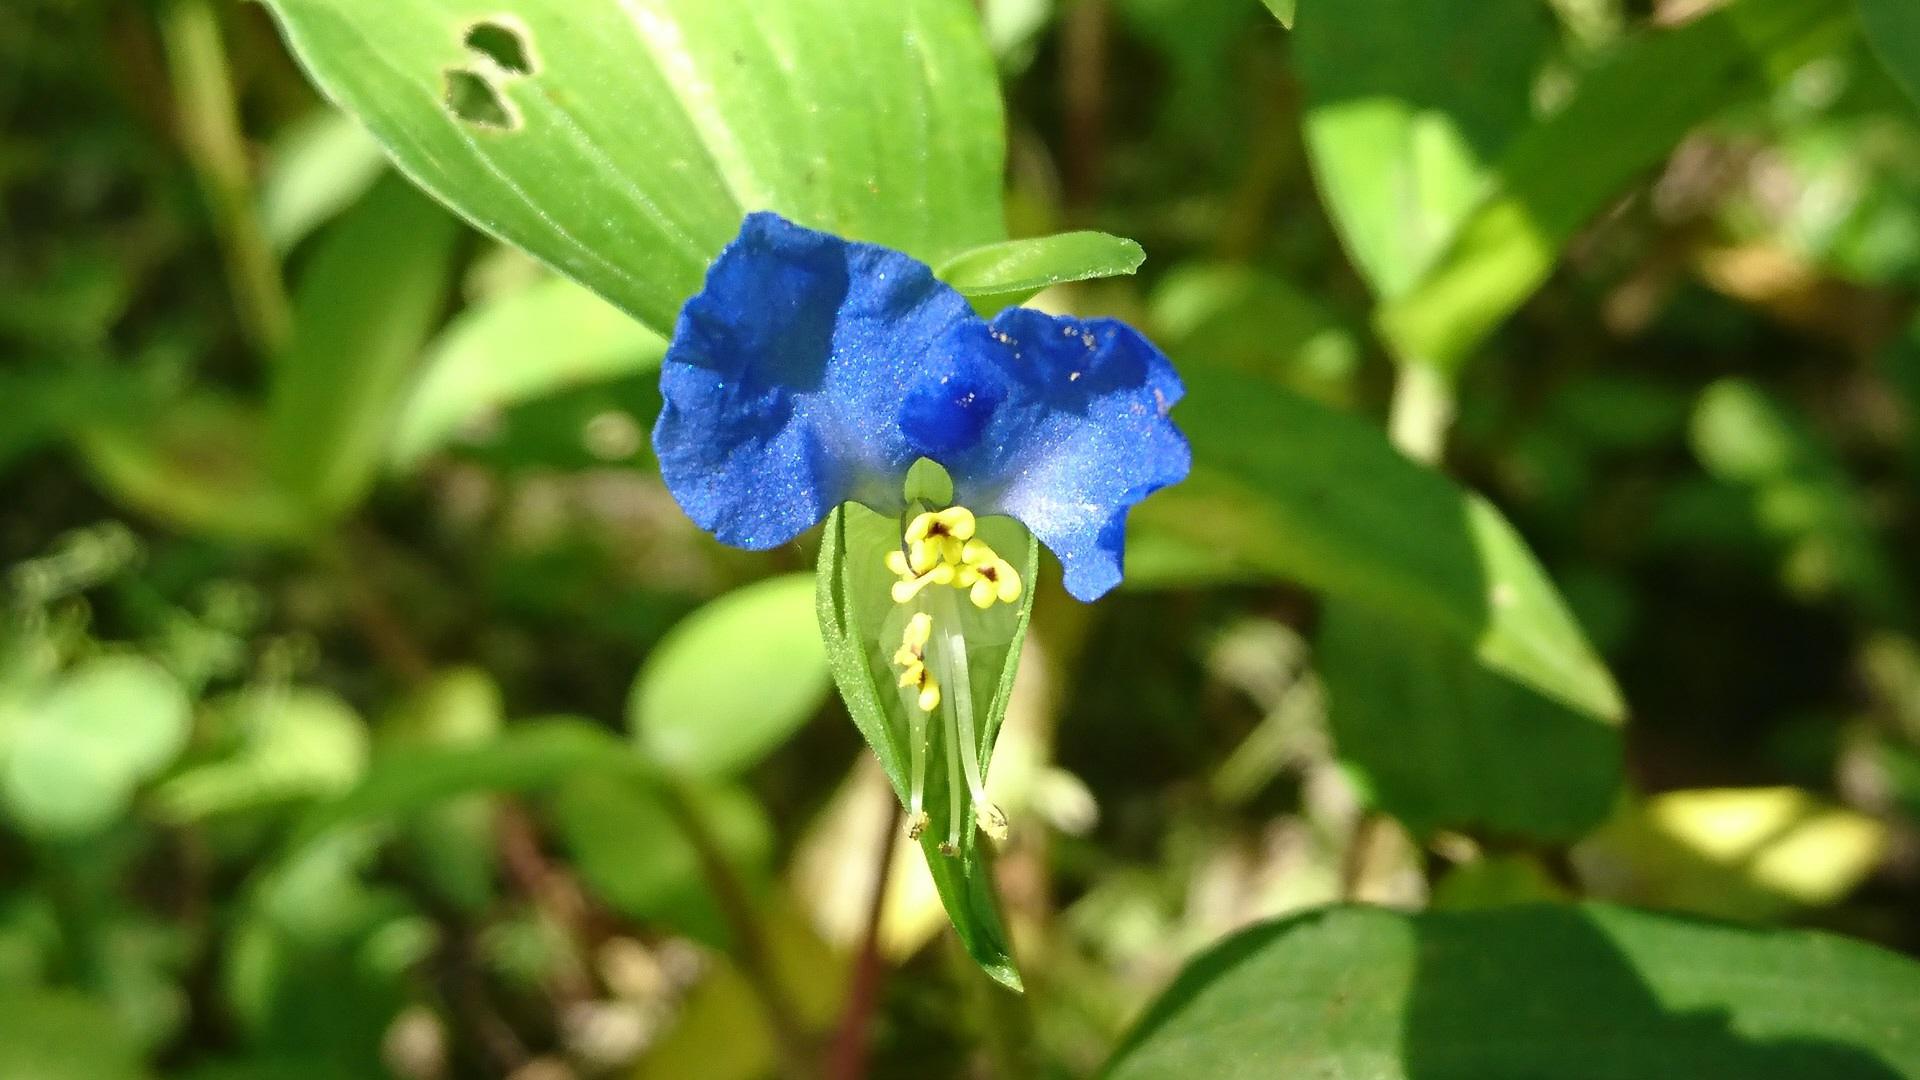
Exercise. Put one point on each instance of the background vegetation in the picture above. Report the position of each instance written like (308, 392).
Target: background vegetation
(1541, 598)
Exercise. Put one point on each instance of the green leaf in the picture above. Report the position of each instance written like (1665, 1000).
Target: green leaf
(75, 760)
(732, 681)
(623, 141)
(1295, 490)
(1006, 273)
(362, 312)
(854, 605)
(1893, 29)
(1588, 992)
(1621, 121)
(317, 167)
(1441, 742)
(1409, 104)
(551, 336)
(1282, 10)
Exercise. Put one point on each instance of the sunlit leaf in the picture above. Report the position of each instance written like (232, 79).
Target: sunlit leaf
(1409, 104)
(1622, 119)
(623, 140)
(1750, 853)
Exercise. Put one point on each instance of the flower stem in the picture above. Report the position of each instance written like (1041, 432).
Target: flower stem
(750, 946)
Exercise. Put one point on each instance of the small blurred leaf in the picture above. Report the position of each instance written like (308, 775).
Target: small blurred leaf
(1282, 10)
(196, 464)
(75, 760)
(361, 313)
(524, 757)
(733, 680)
(1445, 743)
(550, 336)
(1540, 991)
(632, 850)
(1757, 854)
(316, 167)
(635, 137)
(1800, 496)
(1296, 490)
(300, 743)
(1013, 270)
(1622, 120)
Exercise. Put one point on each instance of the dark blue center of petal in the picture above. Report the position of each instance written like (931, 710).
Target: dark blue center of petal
(944, 414)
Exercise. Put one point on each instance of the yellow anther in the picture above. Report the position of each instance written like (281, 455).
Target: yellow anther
(929, 699)
(955, 521)
(904, 591)
(897, 563)
(918, 631)
(987, 577)
(912, 672)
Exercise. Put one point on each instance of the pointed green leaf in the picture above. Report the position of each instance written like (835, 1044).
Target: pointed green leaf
(854, 605)
(623, 140)
(362, 312)
(1293, 489)
(1011, 271)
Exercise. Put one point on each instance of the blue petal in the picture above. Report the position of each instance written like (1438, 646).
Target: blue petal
(786, 377)
(1078, 434)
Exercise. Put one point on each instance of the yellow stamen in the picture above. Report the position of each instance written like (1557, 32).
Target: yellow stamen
(906, 590)
(898, 564)
(986, 576)
(929, 698)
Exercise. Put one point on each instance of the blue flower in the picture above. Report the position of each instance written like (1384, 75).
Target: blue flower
(812, 371)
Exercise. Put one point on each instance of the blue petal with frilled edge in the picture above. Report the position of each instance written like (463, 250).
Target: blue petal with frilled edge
(784, 381)
(812, 371)
(1078, 434)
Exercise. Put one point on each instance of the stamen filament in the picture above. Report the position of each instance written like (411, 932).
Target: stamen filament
(952, 845)
(988, 816)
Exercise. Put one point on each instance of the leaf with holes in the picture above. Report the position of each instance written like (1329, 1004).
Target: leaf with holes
(623, 140)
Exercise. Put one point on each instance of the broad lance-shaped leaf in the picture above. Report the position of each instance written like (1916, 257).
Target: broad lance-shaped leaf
(622, 141)
(1543, 991)
(862, 629)
(1290, 488)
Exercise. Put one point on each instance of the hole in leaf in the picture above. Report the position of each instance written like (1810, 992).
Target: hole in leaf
(477, 101)
(502, 44)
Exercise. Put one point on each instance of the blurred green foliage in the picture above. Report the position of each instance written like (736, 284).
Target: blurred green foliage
(368, 708)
